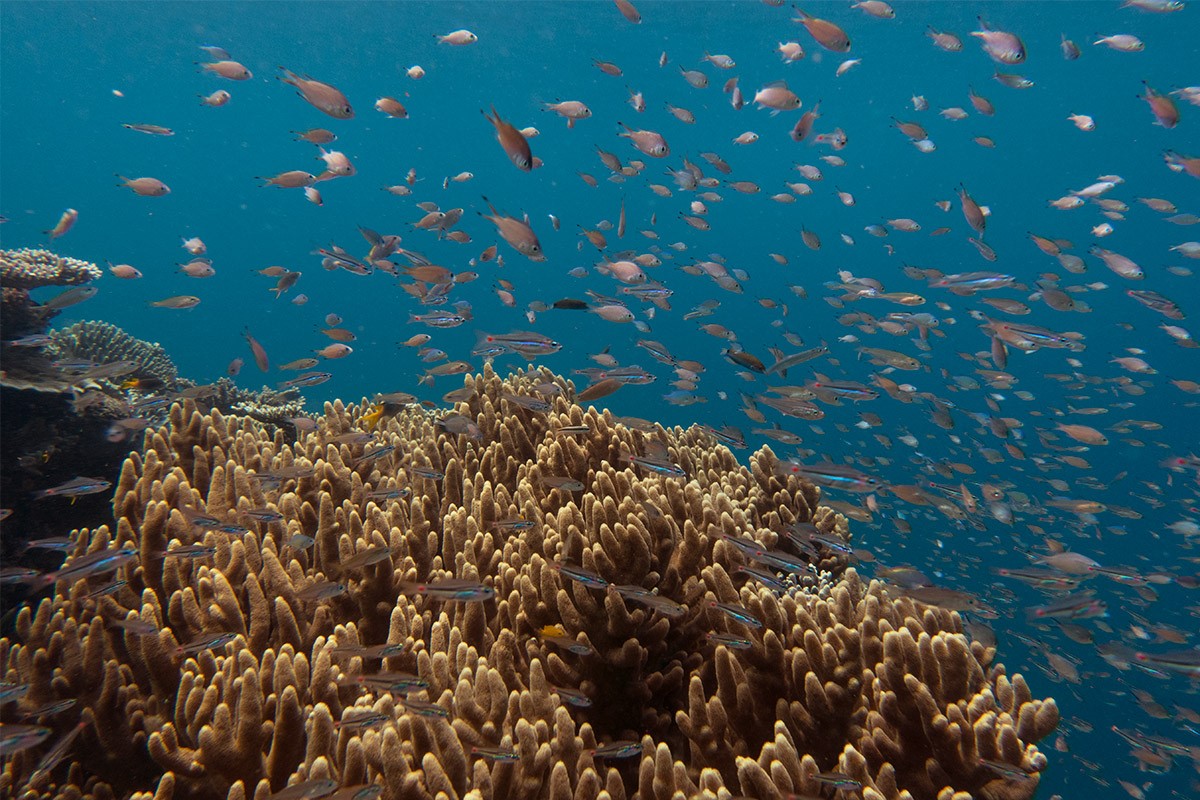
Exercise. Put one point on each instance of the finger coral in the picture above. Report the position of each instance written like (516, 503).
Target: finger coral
(512, 610)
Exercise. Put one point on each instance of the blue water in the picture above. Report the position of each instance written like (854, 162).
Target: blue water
(61, 118)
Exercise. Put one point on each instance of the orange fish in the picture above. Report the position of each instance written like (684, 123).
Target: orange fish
(146, 187)
(334, 351)
(516, 232)
(260, 354)
(217, 98)
(971, 211)
(514, 144)
(777, 96)
(292, 179)
(339, 334)
(805, 124)
(628, 11)
(316, 136)
(392, 107)
(320, 96)
(649, 142)
(828, 35)
(124, 271)
(228, 69)
(1083, 433)
(1162, 106)
(65, 222)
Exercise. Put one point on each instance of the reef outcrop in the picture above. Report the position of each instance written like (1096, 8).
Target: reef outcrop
(518, 598)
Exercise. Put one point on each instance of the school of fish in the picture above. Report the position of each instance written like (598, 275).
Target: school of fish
(1004, 504)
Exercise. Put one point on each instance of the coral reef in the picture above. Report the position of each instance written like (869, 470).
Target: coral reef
(82, 428)
(103, 343)
(564, 623)
(25, 269)
(47, 440)
(18, 313)
(34, 268)
(275, 407)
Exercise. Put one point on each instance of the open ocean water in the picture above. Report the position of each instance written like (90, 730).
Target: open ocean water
(76, 74)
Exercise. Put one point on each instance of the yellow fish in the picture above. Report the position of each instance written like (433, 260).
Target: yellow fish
(372, 417)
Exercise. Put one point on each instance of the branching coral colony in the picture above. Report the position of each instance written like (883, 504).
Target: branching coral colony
(492, 604)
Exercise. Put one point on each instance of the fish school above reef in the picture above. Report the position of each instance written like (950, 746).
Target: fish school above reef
(519, 608)
(521, 596)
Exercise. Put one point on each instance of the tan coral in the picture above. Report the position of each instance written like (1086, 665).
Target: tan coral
(840, 677)
(29, 268)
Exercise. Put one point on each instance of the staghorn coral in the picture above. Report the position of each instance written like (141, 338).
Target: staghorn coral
(885, 690)
(104, 343)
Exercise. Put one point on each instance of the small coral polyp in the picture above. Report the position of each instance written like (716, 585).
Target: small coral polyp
(242, 686)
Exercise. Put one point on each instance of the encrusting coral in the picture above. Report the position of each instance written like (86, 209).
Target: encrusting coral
(243, 655)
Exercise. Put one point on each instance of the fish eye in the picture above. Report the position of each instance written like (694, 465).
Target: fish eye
(346, 109)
